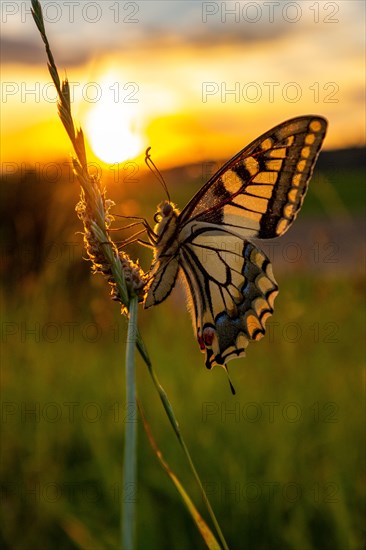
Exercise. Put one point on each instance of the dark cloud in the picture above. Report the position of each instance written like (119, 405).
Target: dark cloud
(30, 52)
(163, 24)
(236, 34)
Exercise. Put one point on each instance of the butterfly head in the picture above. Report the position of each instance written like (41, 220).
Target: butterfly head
(166, 219)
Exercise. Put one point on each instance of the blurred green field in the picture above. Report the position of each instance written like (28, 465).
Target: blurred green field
(282, 460)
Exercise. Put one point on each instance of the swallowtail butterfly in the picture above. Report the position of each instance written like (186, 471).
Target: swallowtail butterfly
(230, 283)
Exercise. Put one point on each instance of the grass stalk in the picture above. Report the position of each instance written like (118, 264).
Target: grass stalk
(130, 451)
(123, 275)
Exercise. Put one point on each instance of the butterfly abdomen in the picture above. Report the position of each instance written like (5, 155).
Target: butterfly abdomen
(164, 270)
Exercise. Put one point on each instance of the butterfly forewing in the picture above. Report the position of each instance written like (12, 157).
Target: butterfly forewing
(230, 283)
(259, 192)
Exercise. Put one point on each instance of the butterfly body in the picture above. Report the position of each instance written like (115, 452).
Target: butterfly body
(230, 284)
(164, 270)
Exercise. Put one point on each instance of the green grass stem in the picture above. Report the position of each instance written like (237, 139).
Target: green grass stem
(94, 199)
(130, 451)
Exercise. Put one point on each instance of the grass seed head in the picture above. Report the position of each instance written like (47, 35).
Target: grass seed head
(95, 246)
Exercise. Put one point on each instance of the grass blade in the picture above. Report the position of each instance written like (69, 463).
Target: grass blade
(202, 526)
(170, 413)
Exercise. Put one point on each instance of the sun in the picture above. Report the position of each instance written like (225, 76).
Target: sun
(113, 128)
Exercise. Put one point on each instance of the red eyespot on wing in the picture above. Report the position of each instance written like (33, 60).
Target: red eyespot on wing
(200, 342)
(208, 335)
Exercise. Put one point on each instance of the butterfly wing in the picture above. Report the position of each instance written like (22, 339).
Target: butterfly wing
(232, 290)
(230, 282)
(259, 192)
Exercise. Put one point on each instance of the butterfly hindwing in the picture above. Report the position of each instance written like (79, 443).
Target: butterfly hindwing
(232, 291)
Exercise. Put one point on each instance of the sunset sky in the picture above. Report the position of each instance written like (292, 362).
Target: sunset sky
(194, 80)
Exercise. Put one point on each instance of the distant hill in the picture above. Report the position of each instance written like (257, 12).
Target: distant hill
(354, 157)
(336, 159)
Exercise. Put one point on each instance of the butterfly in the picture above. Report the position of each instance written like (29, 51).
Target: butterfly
(229, 281)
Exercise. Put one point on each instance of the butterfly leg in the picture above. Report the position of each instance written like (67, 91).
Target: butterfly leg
(140, 221)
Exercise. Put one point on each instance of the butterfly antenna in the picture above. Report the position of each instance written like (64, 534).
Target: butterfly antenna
(230, 383)
(151, 166)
